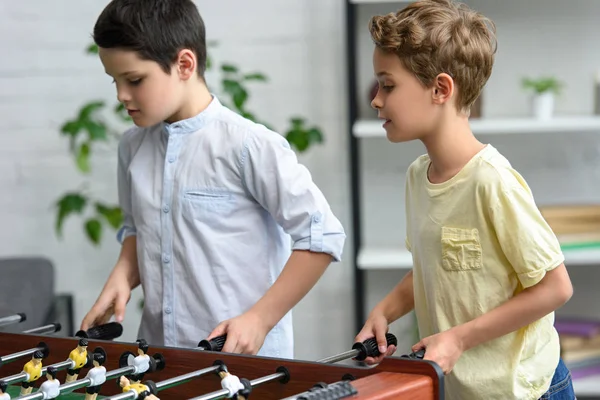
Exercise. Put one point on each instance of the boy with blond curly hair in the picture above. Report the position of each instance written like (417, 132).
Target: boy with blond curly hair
(488, 271)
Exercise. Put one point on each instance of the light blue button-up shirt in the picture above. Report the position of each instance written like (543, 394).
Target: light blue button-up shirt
(216, 202)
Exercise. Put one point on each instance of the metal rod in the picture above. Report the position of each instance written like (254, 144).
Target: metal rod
(168, 383)
(20, 354)
(15, 378)
(59, 366)
(55, 327)
(78, 384)
(339, 357)
(130, 395)
(219, 394)
(178, 380)
(12, 319)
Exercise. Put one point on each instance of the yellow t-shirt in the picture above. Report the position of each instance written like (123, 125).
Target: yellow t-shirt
(79, 358)
(34, 371)
(477, 240)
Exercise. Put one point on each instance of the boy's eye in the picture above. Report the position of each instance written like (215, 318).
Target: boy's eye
(135, 82)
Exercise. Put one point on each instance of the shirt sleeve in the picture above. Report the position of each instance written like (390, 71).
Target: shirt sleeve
(273, 176)
(523, 234)
(124, 189)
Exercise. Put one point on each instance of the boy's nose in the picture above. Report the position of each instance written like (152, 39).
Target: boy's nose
(123, 96)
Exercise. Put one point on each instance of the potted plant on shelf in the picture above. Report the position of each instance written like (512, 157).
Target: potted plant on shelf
(544, 90)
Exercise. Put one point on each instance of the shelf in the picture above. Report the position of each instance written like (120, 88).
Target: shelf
(382, 258)
(589, 386)
(373, 127)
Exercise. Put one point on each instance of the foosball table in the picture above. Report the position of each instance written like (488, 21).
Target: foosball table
(35, 364)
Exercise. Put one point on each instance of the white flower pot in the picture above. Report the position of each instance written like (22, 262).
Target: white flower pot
(543, 105)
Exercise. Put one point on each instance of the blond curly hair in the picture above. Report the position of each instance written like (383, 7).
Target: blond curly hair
(440, 36)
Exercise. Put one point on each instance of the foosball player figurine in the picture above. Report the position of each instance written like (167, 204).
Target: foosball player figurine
(96, 375)
(142, 361)
(79, 357)
(133, 384)
(3, 394)
(230, 382)
(51, 388)
(33, 369)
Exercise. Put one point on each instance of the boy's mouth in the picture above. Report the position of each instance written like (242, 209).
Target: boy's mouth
(132, 112)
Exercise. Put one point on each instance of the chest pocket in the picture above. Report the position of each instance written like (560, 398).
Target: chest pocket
(461, 249)
(206, 204)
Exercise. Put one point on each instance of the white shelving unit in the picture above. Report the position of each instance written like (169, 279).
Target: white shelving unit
(503, 126)
(382, 258)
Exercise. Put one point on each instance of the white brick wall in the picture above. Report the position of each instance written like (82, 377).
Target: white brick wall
(45, 76)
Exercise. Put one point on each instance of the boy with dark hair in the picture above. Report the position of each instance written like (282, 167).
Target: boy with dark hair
(210, 199)
(488, 271)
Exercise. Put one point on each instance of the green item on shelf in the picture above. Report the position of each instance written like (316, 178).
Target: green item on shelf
(579, 246)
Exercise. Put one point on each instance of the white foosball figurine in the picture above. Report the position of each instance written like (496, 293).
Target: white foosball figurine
(231, 383)
(97, 376)
(3, 388)
(51, 388)
(142, 361)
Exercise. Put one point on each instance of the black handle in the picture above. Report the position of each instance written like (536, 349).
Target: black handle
(109, 331)
(417, 355)
(369, 347)
(215, 344)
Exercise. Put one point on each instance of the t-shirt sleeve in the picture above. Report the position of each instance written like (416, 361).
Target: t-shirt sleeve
(524, 236)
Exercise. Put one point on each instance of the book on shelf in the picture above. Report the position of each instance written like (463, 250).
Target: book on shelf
(580, 345)
(576, 226)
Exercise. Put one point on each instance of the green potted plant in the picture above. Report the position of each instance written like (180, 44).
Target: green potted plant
(544, 90)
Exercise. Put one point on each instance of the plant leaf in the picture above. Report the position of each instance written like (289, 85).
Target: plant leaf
(236, 91)
(113, 215)
(257, 76)
(239, 98)
(96, 130)
(71, 128)
(93, 228)
(92, 49)
(86, 111)
(70, 203)
(229, 68)
(83, 158)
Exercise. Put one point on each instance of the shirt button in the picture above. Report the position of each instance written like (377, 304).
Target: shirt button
(166, 209)
(166, 258)
(316, 218)
(172, 160)
(168, 310)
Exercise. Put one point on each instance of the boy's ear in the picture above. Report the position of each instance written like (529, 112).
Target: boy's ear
(443, 88)
(186, 64)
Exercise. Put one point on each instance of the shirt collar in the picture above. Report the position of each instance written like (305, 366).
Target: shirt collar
(194, 123)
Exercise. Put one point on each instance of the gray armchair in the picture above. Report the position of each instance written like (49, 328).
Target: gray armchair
(27, 286)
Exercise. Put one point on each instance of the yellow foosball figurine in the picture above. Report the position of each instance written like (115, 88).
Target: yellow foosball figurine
(141, 390)
(3, 394)
(33, 369)
(79, 357)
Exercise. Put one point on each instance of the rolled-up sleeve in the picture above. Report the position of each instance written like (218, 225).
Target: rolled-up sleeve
(285, 188)
(124, 190)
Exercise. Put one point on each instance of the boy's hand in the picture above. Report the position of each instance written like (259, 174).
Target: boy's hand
(245, 333)
(112, 301)
(376, 326)
(444, 349)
